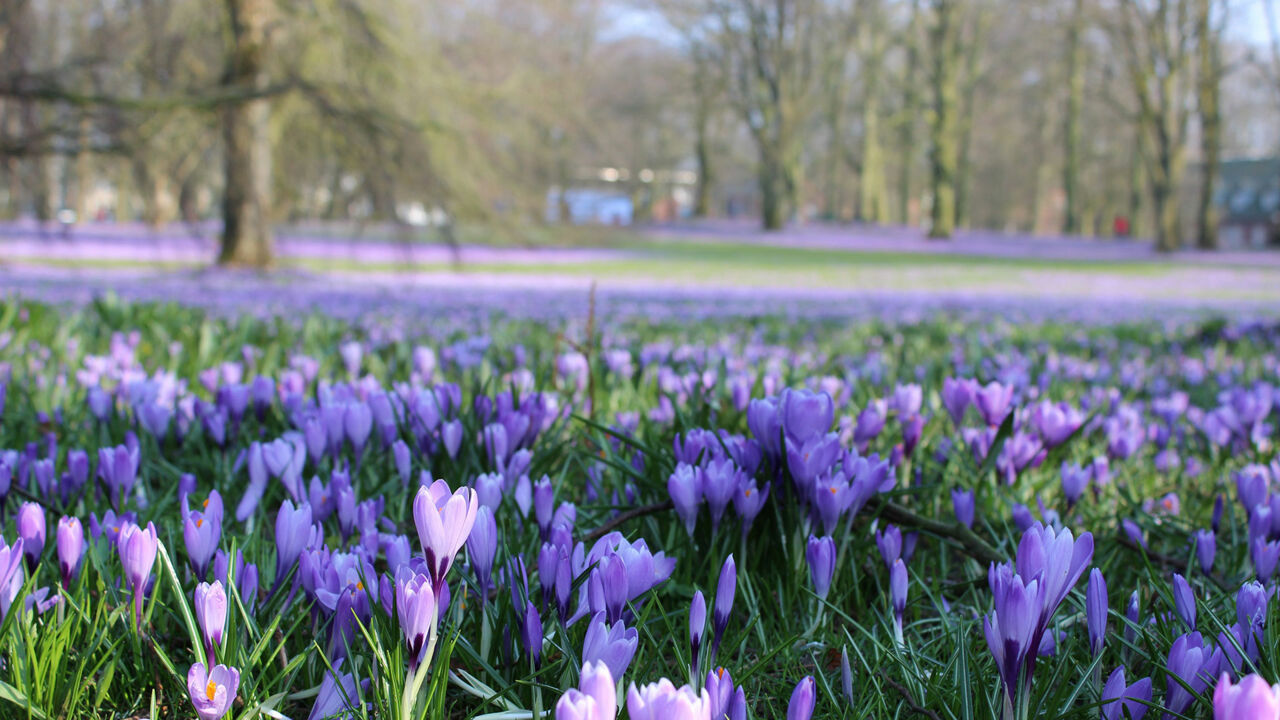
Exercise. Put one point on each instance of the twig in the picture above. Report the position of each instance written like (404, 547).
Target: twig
(624, 517)
(906, 696)
(974, 546)
(1168, 561)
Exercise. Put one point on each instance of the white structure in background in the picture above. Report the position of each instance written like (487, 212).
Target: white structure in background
(587, 206)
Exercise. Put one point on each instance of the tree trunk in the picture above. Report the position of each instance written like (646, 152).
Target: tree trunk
(871, 203)
(943, 129)
(1071, 224)
(1209, 91)
(1137, 185)
(702, 154)
(771, 196)
(910, 109)
(246, 234)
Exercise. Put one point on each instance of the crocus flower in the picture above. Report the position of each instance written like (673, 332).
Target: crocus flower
(685, 488)
(294, 532)
(821, 555)
(595, 698)
(1074, 481)
(1265, 555)
(416, 610)
(544, 502)
(663, 701)
(806, 415)
(31, 528)
(962, 502)
(482, 545)
(1121, 701)
(451, 435)
(1096, 610)
(889, 541)
(71, 547)
(748, 501)
(1252, 699)
(1184, 601)
(613, 645)
(531, 634)
(726, 588)
(1191, 664)
(338, 695)
(697, 625)
(1206, 548)
(846, 675)
(137, 547)
(444, 521)
(720, 480)
(957, 396)
(802, 700)
(993, 402)
(211, 612)
(898, 595)
(10, 571)
(212, 692)
(118, 468)
(201, 532)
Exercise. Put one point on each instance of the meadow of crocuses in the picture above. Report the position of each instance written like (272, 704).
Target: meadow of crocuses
(667, 515)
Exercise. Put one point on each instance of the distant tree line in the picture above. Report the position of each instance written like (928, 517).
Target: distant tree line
(1037, 115)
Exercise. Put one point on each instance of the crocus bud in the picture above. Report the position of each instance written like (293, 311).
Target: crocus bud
(1096, 610)
(1206, 548)
(1132, 614)
(725, 590)
(685, 488)
(544, 504)
(404, 464)
(697, 624)
(963, 503)
(821, 555)
(31, 528)
(482, 545)
(71, 545)
(531, 635)
(451, 434)
(846, 675)
(137, 547)
(1184, 601)
(898, 595)
(211, 612)
(802, 700)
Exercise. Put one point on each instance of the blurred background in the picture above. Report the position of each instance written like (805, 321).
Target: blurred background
(839, 140)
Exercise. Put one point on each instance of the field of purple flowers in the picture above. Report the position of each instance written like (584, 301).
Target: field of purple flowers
(238, 508)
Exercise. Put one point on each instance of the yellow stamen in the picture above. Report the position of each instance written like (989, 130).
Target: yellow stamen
(359, 585)
(199, 522)
(211, 689)
(206, 502)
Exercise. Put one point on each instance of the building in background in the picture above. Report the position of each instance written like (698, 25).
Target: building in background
(1249, 203)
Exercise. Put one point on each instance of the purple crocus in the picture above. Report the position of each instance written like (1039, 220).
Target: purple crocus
(531, 634)
(1191, 665)
(201, 532)
(1121, 701)
(212, 692)
(957, 396)
(31, 529)
(1096, 610)
(1184, 601)
(71, 546)
(806, 415)
(594, 699)
(962, 502)
(137, 547)
(482, 546)
(802, 700)
(685, 488)
(1252, 699)
(211, 612)
(118, 468)
(748, 501)
(889, 541)
(720, 480)
(993, 401)
(726, 588)
(416, 610)
(1206, 548)
(697, 625)
(821, 556)
(663, 701)
(612, 644)
(898, 595)
(1074, 481)
(294, 533)
(444, 520)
